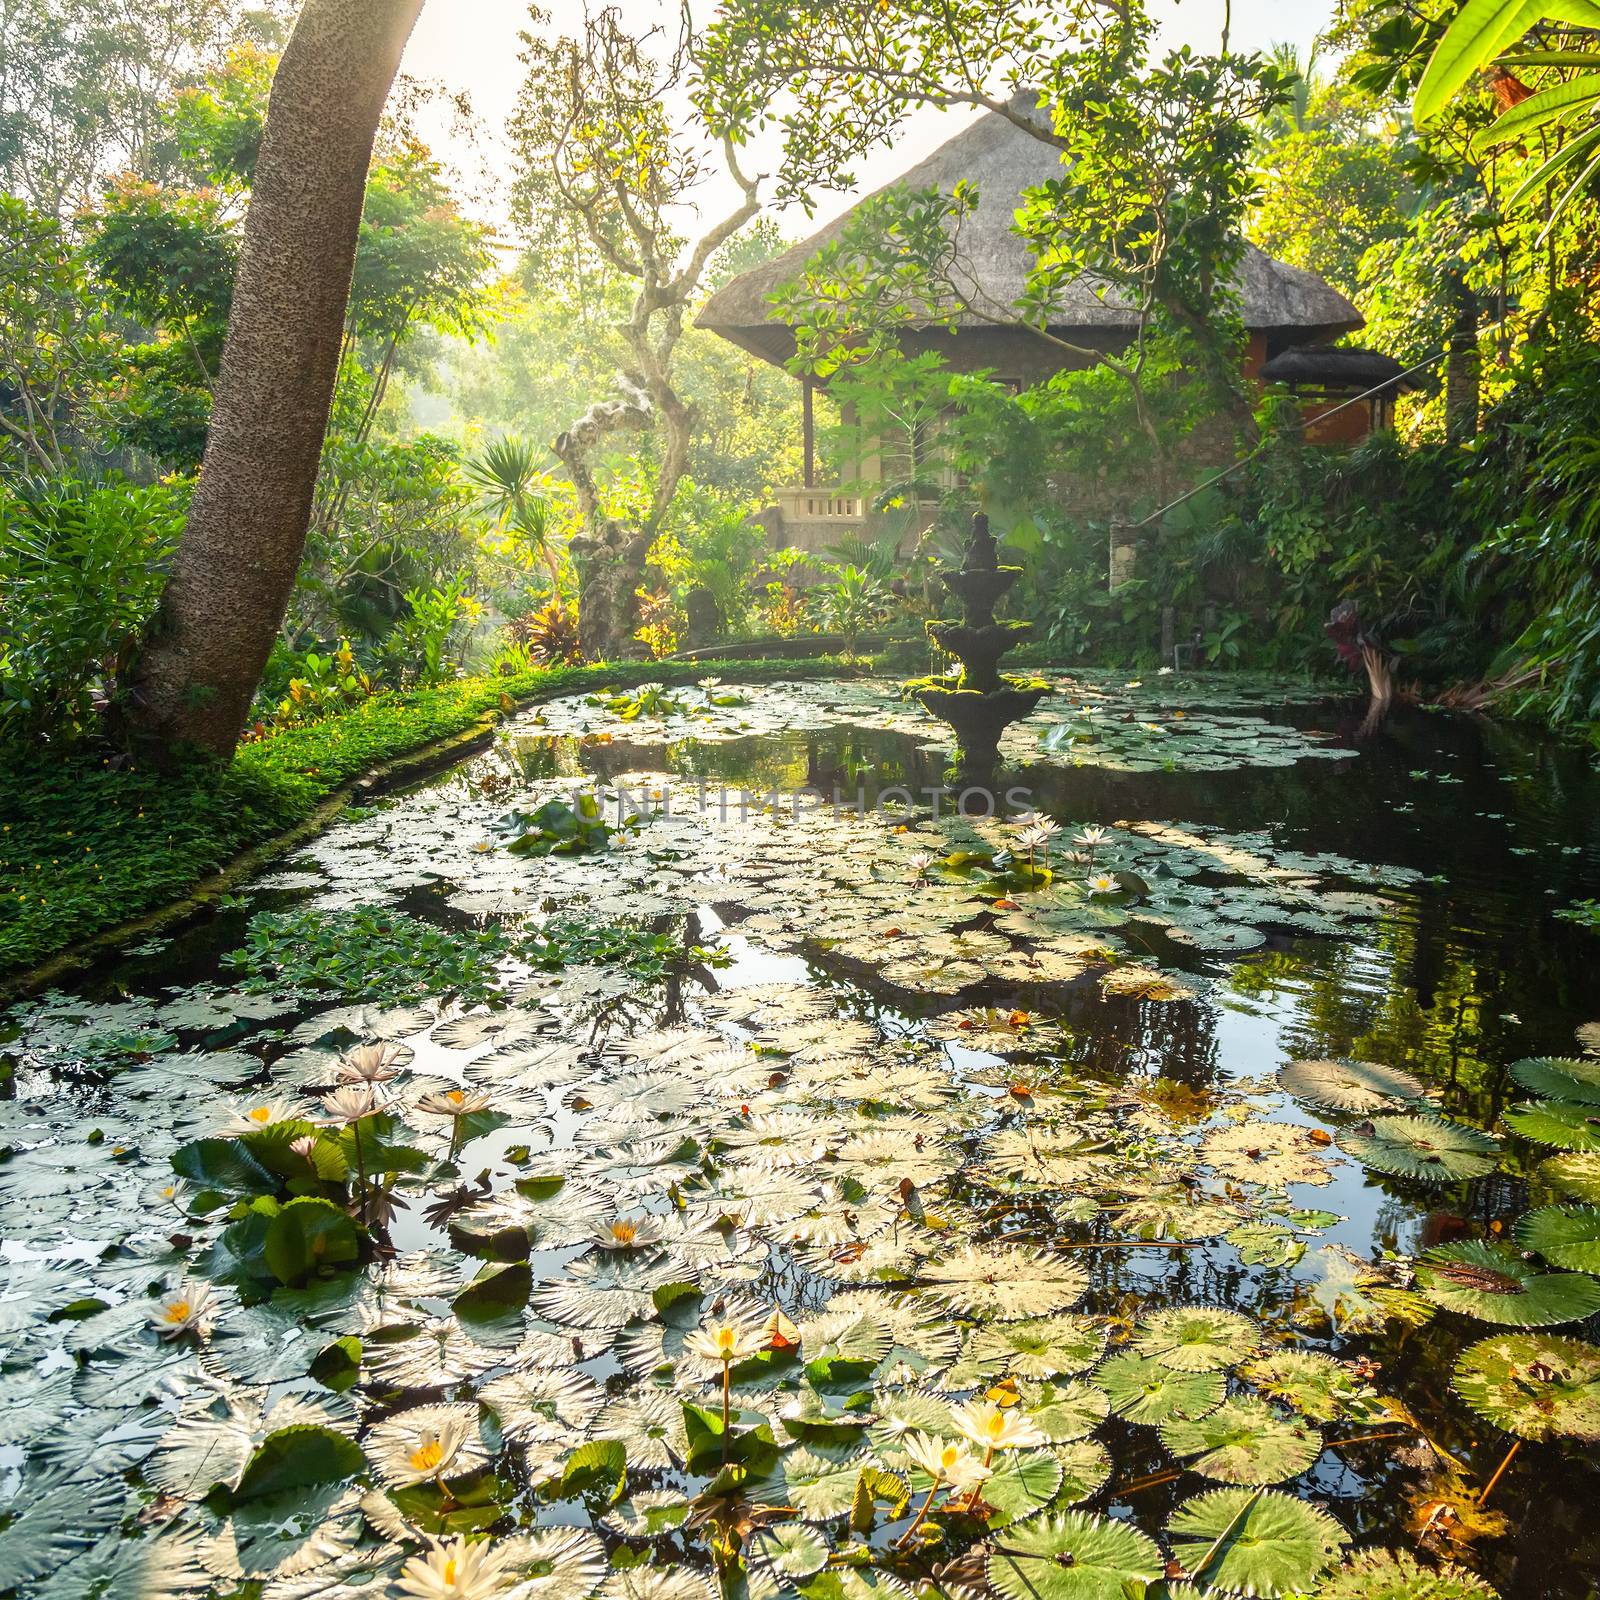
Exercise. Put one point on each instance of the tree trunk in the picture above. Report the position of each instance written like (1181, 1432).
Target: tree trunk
(246, 530)
(1463, 378)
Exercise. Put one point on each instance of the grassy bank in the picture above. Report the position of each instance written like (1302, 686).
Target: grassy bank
(86, 846)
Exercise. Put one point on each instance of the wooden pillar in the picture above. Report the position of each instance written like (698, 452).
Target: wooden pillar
(808, 432)
(1124, 555)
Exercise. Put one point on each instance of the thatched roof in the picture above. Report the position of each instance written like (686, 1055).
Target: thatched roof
(1002, 160)
(1326, 368)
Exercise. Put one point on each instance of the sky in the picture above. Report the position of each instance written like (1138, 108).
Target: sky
(471, 46)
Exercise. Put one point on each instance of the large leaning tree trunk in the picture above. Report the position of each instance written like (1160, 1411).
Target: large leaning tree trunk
(246, 531)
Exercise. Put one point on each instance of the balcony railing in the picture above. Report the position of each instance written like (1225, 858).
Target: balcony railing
(819, 505)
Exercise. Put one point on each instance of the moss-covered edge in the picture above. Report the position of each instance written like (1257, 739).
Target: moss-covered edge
(93, 853)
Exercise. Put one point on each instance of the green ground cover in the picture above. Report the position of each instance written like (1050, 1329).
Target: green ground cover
(86, 844)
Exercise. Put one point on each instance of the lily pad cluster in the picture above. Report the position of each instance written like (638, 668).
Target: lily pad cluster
(1161, 723)
(640, 1282)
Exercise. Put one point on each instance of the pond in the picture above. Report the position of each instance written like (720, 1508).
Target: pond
(778, 1171)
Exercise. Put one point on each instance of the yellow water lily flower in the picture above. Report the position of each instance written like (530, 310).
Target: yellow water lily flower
(426, 1442)
(946, 1460)
(627, 1233)
(456, 1569)
(725, 1341)
(186, 1311)
(995, 1428)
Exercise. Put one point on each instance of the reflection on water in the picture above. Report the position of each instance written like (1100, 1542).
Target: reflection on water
(1465, 972)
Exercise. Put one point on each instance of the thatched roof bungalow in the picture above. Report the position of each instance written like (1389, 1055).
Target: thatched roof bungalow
(1284, 308)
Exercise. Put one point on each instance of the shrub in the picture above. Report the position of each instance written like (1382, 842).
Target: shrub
(81, 568)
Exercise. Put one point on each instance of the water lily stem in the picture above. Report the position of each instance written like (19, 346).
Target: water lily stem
(906, 1537)
(1499, 1472)
(727, 1404)
(1222, 1538)
(361, 1168)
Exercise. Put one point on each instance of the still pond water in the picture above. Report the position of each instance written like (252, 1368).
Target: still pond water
(972, 1126)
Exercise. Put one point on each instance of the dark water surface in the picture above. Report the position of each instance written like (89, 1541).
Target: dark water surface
(1466, 973)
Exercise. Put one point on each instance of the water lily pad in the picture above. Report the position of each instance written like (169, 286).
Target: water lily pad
(1562, 1123)
(1072, 1556)
(1254, 1541)
(1037, 1347)
(1574, 1078)
(1004, 1282)
(1566, 1236)
(1534, 1385)
(1316, 1384)
(1196, 1338)
(1244, 1440)
(1398, 1575)
(1425, 1148)
(1144, 1389)
(1577, 1175)
(1495, 1284)
(1343, 1085)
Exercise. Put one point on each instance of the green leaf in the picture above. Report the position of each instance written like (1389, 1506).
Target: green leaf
(1566, 1236)
(820, 1482)
(1481, 30)
(1561, 1077)
(752, 1448)
(1344, 1085)
(1143, 1389)
(299, 1458)
(600, 1464)
(875, 1487)
(1495, 1284)
(1244, 1441)
(793, 1551)
(224, 1164)
(309, 1236)
(1024, 1482)
(1254, 1541)
(1072, 1555)
(1196, 1338)
(1266, 1244)
(1398, 1575)
(239, 1255)
(1557, 1122)
(1428, 1149)
(1537, 1386)
(339, 1365)
(495, 1300)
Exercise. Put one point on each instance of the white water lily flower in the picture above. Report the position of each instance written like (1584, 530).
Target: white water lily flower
(263, 1115)
(369, 1063)
(425, 1443)
(627, 1233)
(186, 1311)
(725, 1341)
(919, 864)
(996, 1428)
(1027, 819)
(946, 1461)
(1088, 838)
(456, 1569)
(1103, 883)
(455, 1102)
(304, 1147)
(349, 1103)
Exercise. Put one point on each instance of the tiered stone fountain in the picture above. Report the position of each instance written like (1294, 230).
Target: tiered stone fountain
(980, 704)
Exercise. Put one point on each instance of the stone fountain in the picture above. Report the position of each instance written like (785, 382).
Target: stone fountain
(979, 704)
